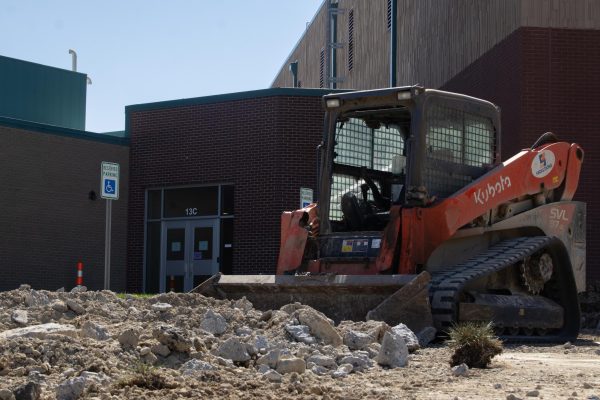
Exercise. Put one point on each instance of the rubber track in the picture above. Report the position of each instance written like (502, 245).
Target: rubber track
(447, 283)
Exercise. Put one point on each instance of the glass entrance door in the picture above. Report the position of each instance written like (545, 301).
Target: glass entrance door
(204, 254)
(174, 251)
(189, 253)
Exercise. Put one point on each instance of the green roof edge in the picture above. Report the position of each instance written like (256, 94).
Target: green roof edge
(68, 71)
(60, 131)
(219, 98)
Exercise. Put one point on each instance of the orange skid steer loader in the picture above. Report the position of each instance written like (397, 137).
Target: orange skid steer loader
(418, 221)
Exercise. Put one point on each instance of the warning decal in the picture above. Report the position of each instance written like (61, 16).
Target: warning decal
(355, 245)
(542, 164)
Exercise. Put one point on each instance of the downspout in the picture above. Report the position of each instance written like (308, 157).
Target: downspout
(73, 54)
(393, 42)
(333, 48)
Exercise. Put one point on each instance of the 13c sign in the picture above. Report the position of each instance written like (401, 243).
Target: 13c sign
(191, 211)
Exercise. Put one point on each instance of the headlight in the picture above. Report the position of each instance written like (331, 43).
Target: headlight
(404, 95)
(332, 103)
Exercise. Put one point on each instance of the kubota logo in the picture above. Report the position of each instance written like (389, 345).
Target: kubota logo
(483, 195)
(542, 164)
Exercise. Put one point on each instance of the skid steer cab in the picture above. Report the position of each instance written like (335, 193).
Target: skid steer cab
(385, 151)
(418, 221)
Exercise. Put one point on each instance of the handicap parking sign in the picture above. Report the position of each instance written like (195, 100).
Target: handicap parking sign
(109, 186)
(109, 179)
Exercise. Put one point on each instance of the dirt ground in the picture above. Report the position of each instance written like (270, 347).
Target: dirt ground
(554, 371)
(97, 345)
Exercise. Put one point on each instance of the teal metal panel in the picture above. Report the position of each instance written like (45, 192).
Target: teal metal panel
(42, 94)
(119, 134)
(28, 126)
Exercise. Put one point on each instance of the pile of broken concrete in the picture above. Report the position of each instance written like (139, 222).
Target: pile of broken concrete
(70, 344)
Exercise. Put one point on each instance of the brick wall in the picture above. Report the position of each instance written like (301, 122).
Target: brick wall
(265, 146)
(497, 77)
(546, 79)
(47, 221)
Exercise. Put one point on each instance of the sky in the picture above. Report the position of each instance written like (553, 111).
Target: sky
(141, 51)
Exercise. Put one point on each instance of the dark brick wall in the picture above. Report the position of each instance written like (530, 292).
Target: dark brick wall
(265, 146)
(497, 77)
(47, 222)
(546, 79)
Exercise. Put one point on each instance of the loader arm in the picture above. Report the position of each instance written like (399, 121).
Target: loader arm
(530, 172)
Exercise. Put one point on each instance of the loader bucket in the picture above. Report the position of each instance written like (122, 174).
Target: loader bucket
(389, 298)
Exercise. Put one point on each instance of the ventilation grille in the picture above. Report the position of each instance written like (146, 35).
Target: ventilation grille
(351, 40)
(322, 69)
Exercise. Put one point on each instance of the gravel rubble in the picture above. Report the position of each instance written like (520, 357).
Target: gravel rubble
(97, 345)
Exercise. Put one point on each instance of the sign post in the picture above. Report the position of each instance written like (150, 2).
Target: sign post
(109, 187)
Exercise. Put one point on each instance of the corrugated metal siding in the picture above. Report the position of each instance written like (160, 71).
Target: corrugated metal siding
(436, 38)
(574, 14)
(371, 44)
(42, 94)
(307, 52)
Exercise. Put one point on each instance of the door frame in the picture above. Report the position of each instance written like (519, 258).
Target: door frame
(205, 223)
(188, 225)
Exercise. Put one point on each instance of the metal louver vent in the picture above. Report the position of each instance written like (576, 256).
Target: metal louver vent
(351, 40)
(322, 69)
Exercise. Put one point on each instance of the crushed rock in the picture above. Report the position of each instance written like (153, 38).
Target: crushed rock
(39, 331)
(213, 323)
(29, 391)
(322, 361)
(393, 352)
(289, 365)
(233, 349)
(411, 340)
(194, 366)
(161, 307)
(300, 333)
(320, 326)
(129, 338)
(201, 347)
(94, 331)
(174, 338)
(19, 317)
(357, 340)
(272, 376)
(342, 371)
(460, 370)
(73, 388)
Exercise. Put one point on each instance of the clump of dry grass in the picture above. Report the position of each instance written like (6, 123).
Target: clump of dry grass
(147, 377)
(474, 344)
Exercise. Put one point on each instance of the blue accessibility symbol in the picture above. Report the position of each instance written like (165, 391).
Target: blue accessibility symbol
(109, 186)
